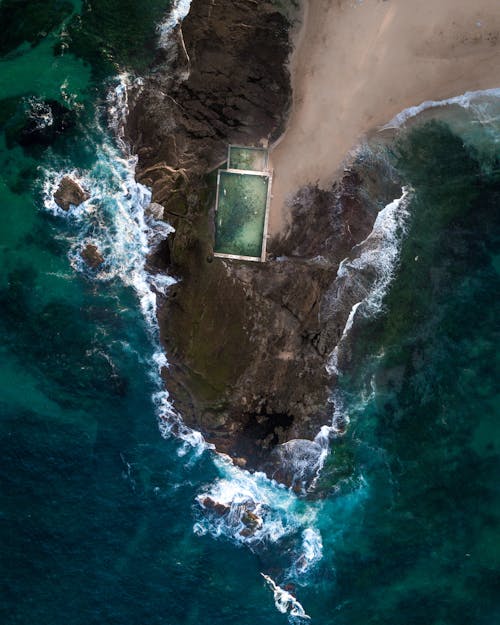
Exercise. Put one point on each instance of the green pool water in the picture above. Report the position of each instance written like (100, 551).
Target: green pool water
(250, 159)
(241, 212)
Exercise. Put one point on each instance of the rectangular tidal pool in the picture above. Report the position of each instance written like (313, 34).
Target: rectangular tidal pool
(248, 159)
(241, 214)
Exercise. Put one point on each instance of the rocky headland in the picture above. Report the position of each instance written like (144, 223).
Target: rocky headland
(247, 343)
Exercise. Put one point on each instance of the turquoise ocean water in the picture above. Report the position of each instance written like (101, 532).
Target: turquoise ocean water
(99, 514)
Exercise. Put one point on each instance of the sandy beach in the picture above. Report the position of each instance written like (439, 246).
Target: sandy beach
(357, 63)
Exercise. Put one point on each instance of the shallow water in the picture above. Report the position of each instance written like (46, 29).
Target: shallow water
(100, 518)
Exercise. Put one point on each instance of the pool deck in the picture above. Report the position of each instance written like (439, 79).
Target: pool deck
(267, 173)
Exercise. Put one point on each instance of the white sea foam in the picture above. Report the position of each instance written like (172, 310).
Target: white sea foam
(113, 220)
(280, 511)
(285, 602)
(40, 113)
(312, 550)
(466, 100)
(367, 273)
(174, 17)
(116, 221)
(118, 105)
(333, 361)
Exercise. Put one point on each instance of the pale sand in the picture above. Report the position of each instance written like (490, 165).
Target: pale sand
(357, 64)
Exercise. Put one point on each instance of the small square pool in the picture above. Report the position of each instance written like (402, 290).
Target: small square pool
(248, 159)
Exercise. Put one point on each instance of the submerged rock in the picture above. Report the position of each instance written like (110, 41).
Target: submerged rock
(70, 193)
(45, 120)
(92, 256)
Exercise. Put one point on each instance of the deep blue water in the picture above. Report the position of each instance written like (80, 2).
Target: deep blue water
(99, 521)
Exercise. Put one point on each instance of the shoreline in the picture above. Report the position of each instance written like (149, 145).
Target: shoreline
(271, 326)
(385, 59)
(246, 346)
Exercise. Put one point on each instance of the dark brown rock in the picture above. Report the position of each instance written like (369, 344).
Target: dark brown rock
(92, 256)
(70, 193)
(238, 90)
(219, 508)
(251, 520)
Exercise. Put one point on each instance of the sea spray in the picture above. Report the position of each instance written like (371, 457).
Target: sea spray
(173, 18)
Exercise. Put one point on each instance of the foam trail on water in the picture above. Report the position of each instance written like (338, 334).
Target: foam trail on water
(285, 602)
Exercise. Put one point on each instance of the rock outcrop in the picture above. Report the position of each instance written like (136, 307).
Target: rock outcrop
(247, 343)
(70, 193)
(92, 256)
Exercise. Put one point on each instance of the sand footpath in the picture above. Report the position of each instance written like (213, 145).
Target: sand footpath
(357, 63)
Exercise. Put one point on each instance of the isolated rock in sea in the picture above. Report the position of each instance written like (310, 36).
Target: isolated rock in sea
(70, 193)
(92, 256)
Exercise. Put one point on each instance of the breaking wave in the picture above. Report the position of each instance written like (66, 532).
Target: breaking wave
(252, 509)
(364, 277)
(285, 602)
(471, 99)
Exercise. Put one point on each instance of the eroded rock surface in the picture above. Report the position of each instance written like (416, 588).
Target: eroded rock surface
(92, 256)
(70, 193)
